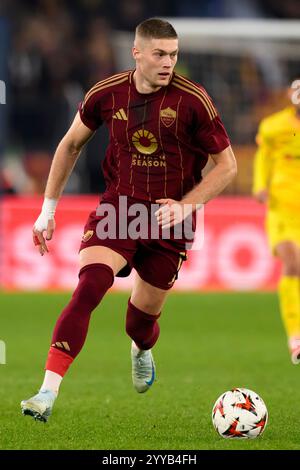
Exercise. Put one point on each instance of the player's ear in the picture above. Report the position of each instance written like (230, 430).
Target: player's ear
(135, 53)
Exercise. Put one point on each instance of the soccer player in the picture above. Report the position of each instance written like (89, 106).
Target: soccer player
(162, 129)
(277, 183)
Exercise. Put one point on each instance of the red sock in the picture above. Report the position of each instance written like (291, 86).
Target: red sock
(142, 327)
(58, 361)
(72, 326)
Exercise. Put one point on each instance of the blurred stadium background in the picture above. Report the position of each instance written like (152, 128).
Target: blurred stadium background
(51, 52)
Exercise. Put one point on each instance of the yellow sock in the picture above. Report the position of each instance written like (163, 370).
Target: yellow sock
(289, 298)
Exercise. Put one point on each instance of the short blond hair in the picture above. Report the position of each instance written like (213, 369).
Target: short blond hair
(155, 28)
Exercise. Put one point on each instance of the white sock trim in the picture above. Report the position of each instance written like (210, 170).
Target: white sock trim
(52, 381)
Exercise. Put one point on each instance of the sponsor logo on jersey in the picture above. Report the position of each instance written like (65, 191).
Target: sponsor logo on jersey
(144, 141)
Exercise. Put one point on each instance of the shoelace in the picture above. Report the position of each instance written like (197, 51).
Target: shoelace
(142, 368)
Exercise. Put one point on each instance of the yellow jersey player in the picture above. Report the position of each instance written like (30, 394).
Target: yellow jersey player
(277, 183)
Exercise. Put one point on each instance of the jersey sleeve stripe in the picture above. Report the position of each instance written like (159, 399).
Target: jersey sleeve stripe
(112, 79)
(190, 86)
(181, 87)
(102, 87)
(107, 80)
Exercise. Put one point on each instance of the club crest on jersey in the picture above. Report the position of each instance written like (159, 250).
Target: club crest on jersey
(86, 237)
(168, 116)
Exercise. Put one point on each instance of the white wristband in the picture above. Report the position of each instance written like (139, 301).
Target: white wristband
(47, 213)
(49, 208)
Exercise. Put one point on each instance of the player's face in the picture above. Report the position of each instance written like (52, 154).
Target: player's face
(155, 60)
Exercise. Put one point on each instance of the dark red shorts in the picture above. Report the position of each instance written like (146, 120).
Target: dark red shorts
(157, 261)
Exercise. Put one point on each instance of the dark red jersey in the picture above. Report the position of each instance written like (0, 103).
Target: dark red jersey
(159, 142)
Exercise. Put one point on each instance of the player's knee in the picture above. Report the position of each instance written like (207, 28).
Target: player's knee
(291, 267)
(146, 302)
(94, 281)
(289, 256)
(152, 308)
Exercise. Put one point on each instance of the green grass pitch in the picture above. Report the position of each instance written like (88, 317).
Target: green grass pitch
(209, 343)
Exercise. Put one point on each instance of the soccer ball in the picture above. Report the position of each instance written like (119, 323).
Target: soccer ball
(239, 414)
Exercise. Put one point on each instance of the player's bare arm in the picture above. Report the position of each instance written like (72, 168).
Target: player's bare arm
(225, 169)
(63, 163)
